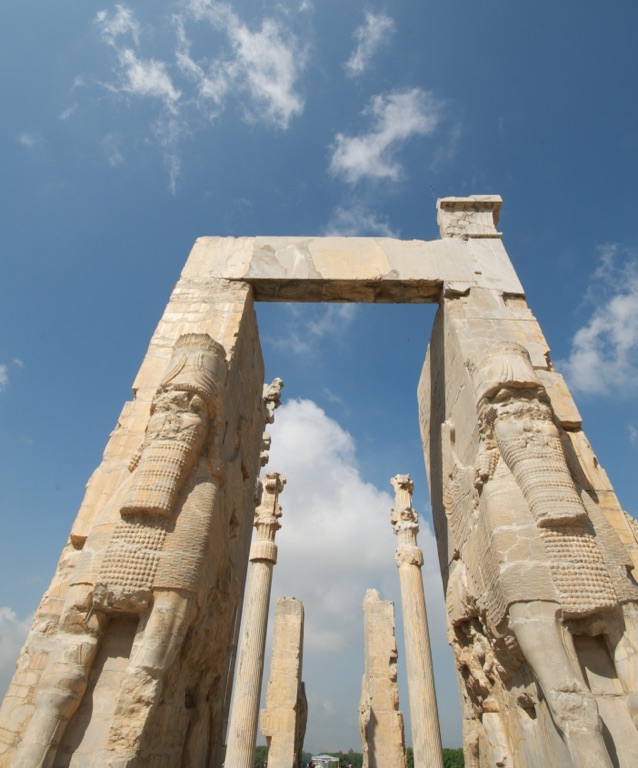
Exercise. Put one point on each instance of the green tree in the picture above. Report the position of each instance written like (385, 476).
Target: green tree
(453, 758)
(261, 756)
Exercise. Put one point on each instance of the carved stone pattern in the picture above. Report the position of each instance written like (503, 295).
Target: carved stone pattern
(578, 571)
(410, 555)
(156, 480)
(132, 556)
(540, 470)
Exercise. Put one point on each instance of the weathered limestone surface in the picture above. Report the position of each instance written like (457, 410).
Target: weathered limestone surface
(283, 720)
(126, 662)
(380, 722)
(535, 551)
(426, 735)
(242, 727)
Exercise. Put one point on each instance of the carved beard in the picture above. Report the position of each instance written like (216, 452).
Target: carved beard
(164, 466)
(537, 462)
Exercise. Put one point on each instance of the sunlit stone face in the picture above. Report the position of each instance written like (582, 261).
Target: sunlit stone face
(176, 412)
(174, 438)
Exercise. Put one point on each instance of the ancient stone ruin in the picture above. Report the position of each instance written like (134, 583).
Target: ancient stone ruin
(424, 721)
(283, 720)
(130, 657)
(380, 721)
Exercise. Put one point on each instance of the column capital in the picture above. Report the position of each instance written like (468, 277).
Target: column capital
(267, 515)
(403, 517)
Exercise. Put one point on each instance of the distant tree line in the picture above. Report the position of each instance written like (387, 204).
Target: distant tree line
(452, 758)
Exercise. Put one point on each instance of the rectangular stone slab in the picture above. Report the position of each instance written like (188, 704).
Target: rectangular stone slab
(365, 269)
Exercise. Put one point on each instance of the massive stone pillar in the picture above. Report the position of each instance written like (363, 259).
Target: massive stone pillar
(242, 727)
(536, 553)
(380, 721)
(426, 736)
(283, 720)
(126, 660)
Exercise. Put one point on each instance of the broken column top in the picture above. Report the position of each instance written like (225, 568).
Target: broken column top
(465, 217)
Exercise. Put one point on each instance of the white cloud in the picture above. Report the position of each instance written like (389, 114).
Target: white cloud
(355, 220)
(374, 32)
(122, 22)
(30, 139)
(147, 78)
(66, 113)
(13, 632)
(604, 352)
(4, 376)
(265, 64)
(270, 67)
(259, 68)
(396, 117)
(336, 539)
(212, 82)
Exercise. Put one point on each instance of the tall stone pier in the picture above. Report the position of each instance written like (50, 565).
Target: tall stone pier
(380, 721)
(426, 735)
(283, 720)
(242, 727)
(536, 553)
(131, 648)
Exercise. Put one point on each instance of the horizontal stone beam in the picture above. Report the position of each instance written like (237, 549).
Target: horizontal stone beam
(362, 269)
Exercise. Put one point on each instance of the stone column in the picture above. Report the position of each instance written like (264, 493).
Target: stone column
(242, 730)
(282, 721)
(380, 721)
(426, 737)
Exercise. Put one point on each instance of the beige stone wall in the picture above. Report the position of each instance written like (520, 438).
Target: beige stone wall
(282, 721)
(185, 725)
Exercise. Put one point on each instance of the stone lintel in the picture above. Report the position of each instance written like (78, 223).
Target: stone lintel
(361, 269)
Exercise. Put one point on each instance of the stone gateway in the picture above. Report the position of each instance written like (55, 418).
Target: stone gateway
(130, 657)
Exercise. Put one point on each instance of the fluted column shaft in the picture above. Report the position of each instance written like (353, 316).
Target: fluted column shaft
(242, 728)
(424, 719)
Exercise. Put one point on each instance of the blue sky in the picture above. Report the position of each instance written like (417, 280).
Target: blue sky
(130, 129)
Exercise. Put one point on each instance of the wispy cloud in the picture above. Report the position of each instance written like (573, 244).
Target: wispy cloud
(111, 147)
(147, 78)
(265, 64)
(30, 139)
(312, 322)
(604, 351)
(371, 35)
(117, 24)
(396, 117)
(137, 77)
(13, 632)
(66, 113)
(355, 220)
(4, 376)
(259, 68)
